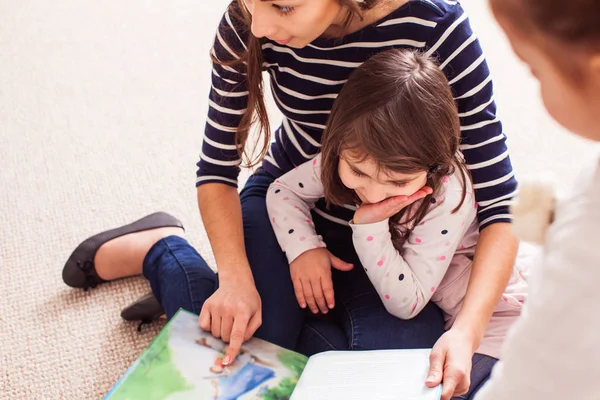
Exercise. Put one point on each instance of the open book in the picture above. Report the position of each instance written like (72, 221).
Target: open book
(184, 362)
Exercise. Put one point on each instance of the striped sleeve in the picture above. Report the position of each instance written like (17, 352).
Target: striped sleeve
(228, 99)
(483, 143)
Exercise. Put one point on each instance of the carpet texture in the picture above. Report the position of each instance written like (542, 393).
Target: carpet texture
(102, 106)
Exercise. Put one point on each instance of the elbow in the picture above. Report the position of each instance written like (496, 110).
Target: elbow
(269, 200)
(398, 311)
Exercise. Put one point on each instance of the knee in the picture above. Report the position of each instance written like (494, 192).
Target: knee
(280, 333)
(373, 327)
(174, 254)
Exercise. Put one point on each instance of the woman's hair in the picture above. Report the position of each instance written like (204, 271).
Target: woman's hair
(397, 110)
(571, 24)
(252, 59)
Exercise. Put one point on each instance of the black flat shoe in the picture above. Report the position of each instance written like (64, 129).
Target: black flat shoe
(79, 270)
(145, 309)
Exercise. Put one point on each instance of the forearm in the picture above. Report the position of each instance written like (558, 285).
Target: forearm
(291, 220)
(222, 216)
(289, 202)
(492, 267)
(404, 289)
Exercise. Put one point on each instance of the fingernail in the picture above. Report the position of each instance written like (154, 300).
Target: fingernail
(430, 378)
(330, 305)
(226, 360)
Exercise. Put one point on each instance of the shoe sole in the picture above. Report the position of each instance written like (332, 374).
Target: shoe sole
(146, 308)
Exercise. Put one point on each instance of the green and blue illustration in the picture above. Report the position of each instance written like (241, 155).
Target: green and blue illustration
(184, 362)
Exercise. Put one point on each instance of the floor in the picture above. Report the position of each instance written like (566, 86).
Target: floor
(102, 109)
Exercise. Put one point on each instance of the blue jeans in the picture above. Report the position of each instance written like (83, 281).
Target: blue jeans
(180, 278)
(482, 367)
(359, 320)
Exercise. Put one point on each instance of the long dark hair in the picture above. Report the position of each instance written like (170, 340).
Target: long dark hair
(396, 109)
(252, 60)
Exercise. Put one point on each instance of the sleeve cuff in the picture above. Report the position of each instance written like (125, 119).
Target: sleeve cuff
(302, 247)
(365, 230)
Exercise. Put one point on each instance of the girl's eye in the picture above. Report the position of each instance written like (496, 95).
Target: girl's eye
(284, 10)
(357, 173)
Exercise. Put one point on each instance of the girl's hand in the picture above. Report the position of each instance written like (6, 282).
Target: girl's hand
(451, 362)
(372, 213)
(311, 276)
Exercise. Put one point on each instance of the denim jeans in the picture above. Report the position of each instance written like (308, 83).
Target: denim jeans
(180, 278)
(359, 320)
(482, 368)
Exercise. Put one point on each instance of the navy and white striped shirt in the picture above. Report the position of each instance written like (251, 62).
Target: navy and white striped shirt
(305, 82)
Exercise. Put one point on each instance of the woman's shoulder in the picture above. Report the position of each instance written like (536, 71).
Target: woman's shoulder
(424, 21)
(435, 10)
(421, 13)
(438, 7)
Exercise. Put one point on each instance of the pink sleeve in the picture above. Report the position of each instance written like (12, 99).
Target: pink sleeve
(289, 201)
(406, 281)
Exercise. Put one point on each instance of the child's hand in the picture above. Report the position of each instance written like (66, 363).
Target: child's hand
(311, 276)
(372, 213)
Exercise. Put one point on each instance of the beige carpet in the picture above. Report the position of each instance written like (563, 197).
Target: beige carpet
(102, 107)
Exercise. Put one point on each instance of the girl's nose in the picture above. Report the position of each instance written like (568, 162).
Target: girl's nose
(262, 23)
(374, 194)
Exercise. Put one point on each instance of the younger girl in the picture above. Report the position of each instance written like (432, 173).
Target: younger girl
(553, 350)
(392, 140)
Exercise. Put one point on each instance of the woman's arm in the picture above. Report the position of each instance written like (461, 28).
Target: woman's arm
(222, 217)
(484, 147)
(233, 312)
(492, 267)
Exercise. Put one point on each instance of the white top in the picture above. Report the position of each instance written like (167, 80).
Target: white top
(553, 351)
(433, 265)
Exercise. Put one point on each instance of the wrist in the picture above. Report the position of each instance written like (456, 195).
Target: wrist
(370, 229)
(235, 272)
(359, 220)
(471, 332)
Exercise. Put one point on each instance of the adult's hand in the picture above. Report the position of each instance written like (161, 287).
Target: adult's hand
(233, 313)
(451, 362)
(377, 212)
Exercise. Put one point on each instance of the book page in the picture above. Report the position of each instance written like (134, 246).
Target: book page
(380, 374)
(184, 362)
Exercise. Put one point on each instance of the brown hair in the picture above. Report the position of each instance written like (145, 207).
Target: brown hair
(396, 109)
(252, 59)
(569, 25)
